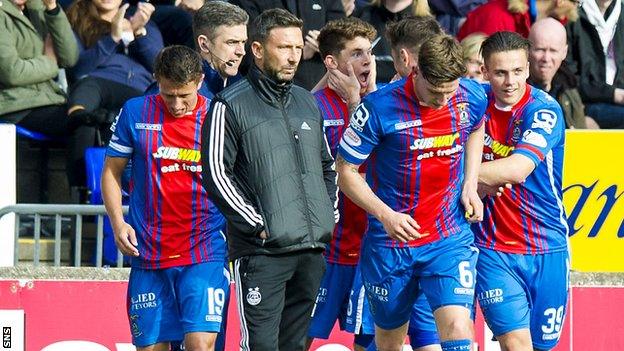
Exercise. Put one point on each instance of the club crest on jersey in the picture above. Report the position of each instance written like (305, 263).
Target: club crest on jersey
(253, 296)
(464, 117)
(359, 118)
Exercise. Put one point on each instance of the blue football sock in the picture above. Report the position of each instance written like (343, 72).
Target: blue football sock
(456, 345)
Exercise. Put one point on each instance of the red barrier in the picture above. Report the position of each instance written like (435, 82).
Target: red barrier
(90, 316)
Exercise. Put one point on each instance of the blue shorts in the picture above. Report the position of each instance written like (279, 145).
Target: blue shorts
(165, 304)
(422, 328)
(332, 301)
(518, 291)
(394, 277)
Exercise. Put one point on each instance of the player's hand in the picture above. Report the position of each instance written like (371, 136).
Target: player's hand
(487, 190)
(401, 227)
(371, 81)
(310, 47)
(141, 16)
(472, 204)
(263, 235)
(126, 241)
(346, 86)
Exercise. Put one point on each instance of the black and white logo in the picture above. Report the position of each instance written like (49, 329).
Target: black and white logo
(253, 296)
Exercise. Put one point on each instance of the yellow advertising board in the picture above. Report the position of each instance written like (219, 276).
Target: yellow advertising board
(593, 189)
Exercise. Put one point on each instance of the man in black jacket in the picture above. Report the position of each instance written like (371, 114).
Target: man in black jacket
(267, 167)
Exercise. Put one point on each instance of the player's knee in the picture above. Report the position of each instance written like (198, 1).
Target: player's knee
(456, 329)
(200, 344)
(515, 341)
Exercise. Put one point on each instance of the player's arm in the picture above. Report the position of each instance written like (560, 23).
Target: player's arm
(399, 226)
(513, 170)
(469, 197)
(125, 237)
(218, 154)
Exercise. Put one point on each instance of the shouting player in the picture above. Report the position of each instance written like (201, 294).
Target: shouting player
(522, 285)
(178, 283)
(425, 133)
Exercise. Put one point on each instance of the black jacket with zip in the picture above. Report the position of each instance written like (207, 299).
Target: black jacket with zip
(266, 165)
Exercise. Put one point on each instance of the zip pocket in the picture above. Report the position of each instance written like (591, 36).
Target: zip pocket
(299, 152)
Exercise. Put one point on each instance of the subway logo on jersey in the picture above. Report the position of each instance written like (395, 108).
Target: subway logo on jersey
(178, 154)
(497, 147)
(434, 142)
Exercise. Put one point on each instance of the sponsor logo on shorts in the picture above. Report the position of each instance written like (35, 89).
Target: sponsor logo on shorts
(377, 292)
(253, 296)
(553, 336)
(464, 291)
(490, 297)
(143, 301)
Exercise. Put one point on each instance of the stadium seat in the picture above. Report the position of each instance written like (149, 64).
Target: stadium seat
(94, 161)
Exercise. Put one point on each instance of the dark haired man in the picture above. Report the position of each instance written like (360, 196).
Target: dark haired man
(405, 38)
(345, 47)
(267, 167)
(220, 31)
(426, 132)
(178, 284)
(522, 285)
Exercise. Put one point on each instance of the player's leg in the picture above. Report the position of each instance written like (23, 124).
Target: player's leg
(301, 292)
(504, 298)
(549, 288)
(331, 301)
(391, 289)
(152, 309)
(202, 291)
(448, 280)
(422, 330)
(358, 319)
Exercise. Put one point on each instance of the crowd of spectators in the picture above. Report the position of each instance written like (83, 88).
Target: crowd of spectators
(107, 48)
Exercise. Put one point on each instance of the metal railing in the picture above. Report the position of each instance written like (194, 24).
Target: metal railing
(59, 210)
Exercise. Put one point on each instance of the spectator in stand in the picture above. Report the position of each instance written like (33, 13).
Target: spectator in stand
(451, 13)
(315, 14)
(379, 13)
(516, 15)
(547, 52)
(36, 40)
(595, 47)
(117, 53)
(511, 15)
(471, 45)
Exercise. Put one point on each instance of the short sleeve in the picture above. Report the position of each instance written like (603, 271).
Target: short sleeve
(362, 135)
(120, 144)
(542, 129)
(478, 104)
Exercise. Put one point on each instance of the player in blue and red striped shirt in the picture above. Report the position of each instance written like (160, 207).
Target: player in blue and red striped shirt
(178, 283)
(425, 133)
(345, 46)
(522, 285)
